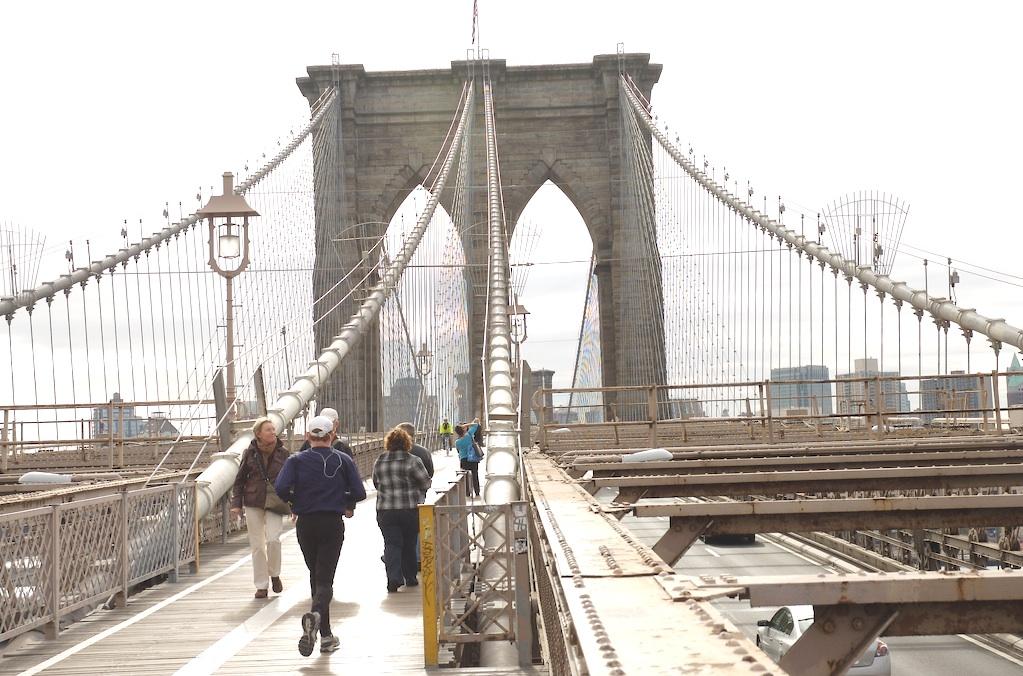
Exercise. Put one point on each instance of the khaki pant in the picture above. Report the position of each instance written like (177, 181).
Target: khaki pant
(265, 542)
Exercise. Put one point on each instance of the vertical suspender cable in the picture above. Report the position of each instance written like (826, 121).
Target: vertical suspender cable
(218, 477)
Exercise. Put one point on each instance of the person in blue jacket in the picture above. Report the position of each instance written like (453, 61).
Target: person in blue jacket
(322, 484)
(469, 453)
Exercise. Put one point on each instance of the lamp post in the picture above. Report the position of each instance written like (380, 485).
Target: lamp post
(229, 240)
(425, 360)
(518, 334)
(517, 314)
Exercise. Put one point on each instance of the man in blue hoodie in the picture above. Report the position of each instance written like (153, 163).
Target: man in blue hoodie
(322, 484)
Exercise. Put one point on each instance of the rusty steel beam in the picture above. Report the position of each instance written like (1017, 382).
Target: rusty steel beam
(986, 550)
(957, 617)
(964, 443)
(803, 516)
(867, 588)
(680, 536)
(840, 633)
(632, 489)
(776, 463)
(606, 588)
(837, 637)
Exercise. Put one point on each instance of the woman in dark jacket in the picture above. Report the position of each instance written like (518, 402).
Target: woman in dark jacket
(265, 452)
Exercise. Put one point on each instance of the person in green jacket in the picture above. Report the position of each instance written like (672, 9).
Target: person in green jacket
(446, 430)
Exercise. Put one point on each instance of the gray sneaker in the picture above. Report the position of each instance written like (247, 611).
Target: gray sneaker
(329, 644)
(310, 627)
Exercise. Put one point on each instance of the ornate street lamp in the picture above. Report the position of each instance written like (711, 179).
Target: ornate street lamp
(425, 360)
(227, 217)
(517, 314)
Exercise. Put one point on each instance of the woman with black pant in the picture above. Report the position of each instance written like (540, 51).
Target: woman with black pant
(468, 453)
(401, 480)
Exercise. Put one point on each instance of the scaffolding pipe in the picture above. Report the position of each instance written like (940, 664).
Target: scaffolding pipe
(998, 331)
(216, 480)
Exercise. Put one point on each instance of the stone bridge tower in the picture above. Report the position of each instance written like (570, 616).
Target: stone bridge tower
(554, 122)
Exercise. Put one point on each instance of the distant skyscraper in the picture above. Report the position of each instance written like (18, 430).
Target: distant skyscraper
(126, 423)
(953, 395)
(788, 394)
(463, 407)
(401, 404)
(1014, 384)
(861, 396)
(689, 407)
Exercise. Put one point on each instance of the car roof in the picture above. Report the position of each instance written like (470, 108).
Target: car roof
(801, 612)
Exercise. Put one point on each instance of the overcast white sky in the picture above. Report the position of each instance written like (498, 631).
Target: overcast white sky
(110, 109)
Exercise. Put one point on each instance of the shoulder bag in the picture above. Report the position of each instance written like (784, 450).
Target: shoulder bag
(477, 452)
(273, 501)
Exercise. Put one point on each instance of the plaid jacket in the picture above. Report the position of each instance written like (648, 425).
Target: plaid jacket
(400, 479)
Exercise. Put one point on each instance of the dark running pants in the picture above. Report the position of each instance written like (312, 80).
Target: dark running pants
(474, 470)
(320, 536)
(400, 528)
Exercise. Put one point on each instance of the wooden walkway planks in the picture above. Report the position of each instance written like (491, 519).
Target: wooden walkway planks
(220, 628)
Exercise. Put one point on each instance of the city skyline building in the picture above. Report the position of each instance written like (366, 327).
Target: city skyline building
(857, 393)
(1014, 383)
(789, 391)
(957, 395)
(126, 424)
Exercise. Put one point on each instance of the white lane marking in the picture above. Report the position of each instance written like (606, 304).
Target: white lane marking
(803, 557)
(990, 649)
(78, 647)
(712, 552)
(231, 644)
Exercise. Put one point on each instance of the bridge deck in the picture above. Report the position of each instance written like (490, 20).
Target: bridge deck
(209, 622)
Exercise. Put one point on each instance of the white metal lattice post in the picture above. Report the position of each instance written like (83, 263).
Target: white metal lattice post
(175, 510)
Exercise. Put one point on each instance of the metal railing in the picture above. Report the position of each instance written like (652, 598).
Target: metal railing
(768, 411)
(457, 540)
(119, 432)
(67, 557)
(930, 549)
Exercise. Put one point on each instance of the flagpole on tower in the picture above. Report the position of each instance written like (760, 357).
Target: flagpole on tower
(475, 27)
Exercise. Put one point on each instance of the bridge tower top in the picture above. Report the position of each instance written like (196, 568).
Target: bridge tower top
(556, 122)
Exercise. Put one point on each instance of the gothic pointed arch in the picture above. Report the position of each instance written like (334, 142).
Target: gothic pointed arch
(560, 172)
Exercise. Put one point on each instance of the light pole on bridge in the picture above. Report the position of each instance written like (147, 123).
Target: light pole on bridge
(228, 241)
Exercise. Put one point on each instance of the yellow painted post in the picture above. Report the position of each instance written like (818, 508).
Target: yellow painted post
(428, 584)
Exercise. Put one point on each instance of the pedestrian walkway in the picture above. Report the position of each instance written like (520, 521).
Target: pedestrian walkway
(210, 623)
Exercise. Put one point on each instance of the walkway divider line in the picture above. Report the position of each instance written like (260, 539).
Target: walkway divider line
(231, 644)
(92, 640)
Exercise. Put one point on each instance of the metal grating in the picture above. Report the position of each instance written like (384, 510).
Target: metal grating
(186, 518)
(90, 549)
(464, 597)
(59, 559)
(26, 587)
(150, 539)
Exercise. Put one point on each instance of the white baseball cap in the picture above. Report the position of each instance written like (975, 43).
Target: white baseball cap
(320, 426)
(329, 413)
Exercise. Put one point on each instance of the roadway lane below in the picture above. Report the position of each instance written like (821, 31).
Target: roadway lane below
(911, 656)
